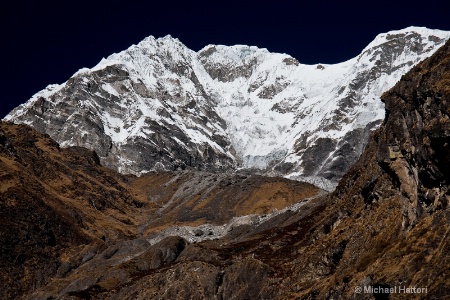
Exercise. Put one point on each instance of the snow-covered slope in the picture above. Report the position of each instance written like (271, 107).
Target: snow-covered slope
(160, 105)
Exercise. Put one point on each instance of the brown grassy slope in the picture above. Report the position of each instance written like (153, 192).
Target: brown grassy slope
(52, 199)
(187, 198)
(59, 207)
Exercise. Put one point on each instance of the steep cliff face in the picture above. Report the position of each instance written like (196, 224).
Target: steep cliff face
(414, 147)
(161, 106)
(386, 225)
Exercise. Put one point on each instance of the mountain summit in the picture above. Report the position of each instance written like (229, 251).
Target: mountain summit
(161, 106)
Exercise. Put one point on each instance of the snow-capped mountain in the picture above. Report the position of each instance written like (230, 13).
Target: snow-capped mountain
(160, 105)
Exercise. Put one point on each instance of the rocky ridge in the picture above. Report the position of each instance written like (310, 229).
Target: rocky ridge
(161, 106)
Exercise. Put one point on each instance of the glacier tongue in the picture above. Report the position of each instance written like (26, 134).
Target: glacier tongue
(159, 105)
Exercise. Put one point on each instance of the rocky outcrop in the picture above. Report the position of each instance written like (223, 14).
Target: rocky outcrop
(414, 148)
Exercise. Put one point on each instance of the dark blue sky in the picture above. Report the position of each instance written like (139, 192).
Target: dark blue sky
(44, 43)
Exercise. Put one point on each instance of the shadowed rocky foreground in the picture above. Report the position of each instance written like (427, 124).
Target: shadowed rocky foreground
(73, 229)
(60, 209)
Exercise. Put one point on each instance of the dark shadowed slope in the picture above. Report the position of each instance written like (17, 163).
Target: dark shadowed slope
(59, 209)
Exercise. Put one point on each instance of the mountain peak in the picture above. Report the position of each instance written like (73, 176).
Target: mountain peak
(165, 40)
(159, 105)
(423, 33)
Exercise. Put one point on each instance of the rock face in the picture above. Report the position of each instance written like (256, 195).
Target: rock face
(414, 148)
(161, 106)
